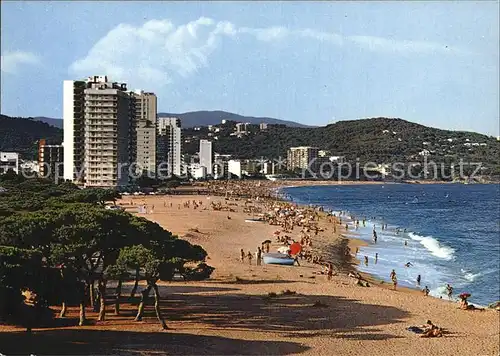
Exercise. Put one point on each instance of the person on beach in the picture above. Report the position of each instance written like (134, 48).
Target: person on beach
(395, 282)
(364, 222)
(449, 291)
(366, 260)
(406, 242)
(259, 256)
(418, 280)
(392, 276)
(329, 272)
(376, 257)
(249, 256)
(242, 256)
(426, 291)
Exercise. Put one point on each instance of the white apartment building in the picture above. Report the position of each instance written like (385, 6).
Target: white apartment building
(99, 125)
(169, 146)
(301, 157)
(9, 160)
(144, 142)
(205, 155)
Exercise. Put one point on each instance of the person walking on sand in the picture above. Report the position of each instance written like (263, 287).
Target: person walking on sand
(330, 271)
(249, 256)
(395, 282)
(449, 291)
(259, 256)
(242, 256)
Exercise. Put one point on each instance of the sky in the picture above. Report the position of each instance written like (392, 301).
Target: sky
(434, 63)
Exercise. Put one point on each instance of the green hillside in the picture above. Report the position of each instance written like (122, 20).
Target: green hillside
(22, 135)
(379, 140)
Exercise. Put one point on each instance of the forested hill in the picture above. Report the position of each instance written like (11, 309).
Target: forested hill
(380, 140)
(22, 135)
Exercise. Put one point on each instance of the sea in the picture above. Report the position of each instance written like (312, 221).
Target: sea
(452, 232)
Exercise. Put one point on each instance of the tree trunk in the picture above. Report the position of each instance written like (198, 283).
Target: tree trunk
(157, 307)
(144, 296)
(136, 283)
(118, 293)
(91, 294)
(83, 319)
(64, 308)
(102, 300)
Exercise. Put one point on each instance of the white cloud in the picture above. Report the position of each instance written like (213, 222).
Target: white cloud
(153, 54)
(11, 61)
(379, 44)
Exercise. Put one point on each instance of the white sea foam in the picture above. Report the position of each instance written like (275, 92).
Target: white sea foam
(434, 246)
(468, 275)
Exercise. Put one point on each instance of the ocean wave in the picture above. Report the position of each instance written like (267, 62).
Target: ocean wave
(471, 277)
(434, 246)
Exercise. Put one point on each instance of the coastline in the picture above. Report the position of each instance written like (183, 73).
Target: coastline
(374, 275)
(351, 264)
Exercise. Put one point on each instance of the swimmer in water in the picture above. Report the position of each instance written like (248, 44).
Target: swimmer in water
(408, 264)
(406, 243)
(366, 260)
(418, 280)
(376, 257)
(374, 236)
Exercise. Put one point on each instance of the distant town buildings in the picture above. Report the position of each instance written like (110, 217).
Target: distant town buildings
(205, 155)
(242, 127)
(301, 157)
(144, 142)
(99, 124)
(169, 144)
(50, 161)
(9, 161)
(263, 126)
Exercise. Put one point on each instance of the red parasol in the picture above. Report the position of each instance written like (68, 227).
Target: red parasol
(295, 248)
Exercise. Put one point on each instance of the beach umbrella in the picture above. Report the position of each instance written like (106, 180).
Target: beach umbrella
(295, 248)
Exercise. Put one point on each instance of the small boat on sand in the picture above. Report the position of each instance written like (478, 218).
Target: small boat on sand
(277, 259)
(254, 220)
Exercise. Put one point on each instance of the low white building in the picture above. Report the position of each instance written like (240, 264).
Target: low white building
(197, 171)
(234, 167)
(9, 160)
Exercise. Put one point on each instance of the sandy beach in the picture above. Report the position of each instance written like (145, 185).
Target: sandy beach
(231, 313)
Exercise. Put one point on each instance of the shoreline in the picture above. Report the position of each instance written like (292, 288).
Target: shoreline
(375, 279)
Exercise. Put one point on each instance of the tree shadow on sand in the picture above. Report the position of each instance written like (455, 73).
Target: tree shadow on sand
(291, 316)
(85, 342)
(285, 314)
